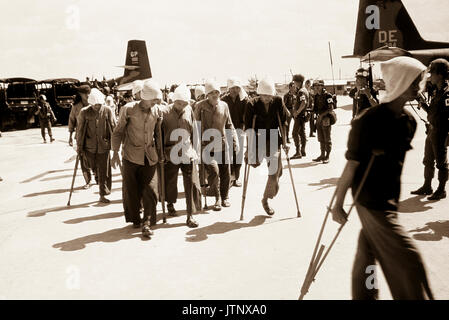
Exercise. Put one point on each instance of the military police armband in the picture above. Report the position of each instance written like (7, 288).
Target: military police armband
(447, 102)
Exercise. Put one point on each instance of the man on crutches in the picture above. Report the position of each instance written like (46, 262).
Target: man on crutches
(377, 144)
(267, 107)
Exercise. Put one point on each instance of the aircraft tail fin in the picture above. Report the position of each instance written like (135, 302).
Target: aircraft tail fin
(383, 23)
(137, 65)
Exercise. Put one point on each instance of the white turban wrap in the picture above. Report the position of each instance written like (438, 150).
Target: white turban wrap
(235, 82)
(137, 86)
(199, 90)
(95, 97)
(151, 90)
(182, 93)
(266, 86)
(398, 74)
(211, 86)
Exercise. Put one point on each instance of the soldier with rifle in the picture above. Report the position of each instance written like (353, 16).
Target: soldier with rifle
(363, 94)
(437, 134)
(299, 114)
(323, 106)
(96, 123)
(178, 127)
(136, 127)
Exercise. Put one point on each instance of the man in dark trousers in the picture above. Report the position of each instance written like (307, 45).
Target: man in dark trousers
(237, 101)
(266, 108)
(178, 127)
(214, 114)
(299, 114)
(289, 102)
(437, 134)
(80, 102)
(136, 129)
(46, 117)
(381, 136)
(94, 132)
(323, 106)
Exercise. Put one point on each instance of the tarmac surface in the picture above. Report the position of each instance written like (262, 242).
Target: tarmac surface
(86, 251)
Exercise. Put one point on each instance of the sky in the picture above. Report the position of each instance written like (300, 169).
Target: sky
(190, 41)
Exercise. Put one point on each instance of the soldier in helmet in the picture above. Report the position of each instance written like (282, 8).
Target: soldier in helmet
(323, 106)
(364, 96)
(46, 116)
(436, 146)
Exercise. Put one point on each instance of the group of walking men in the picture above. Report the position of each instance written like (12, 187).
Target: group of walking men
(153, 152)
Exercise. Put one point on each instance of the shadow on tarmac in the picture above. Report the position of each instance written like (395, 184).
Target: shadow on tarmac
(436, 231)
(70, 176)
(44, 174)
(56, 191)
(413, 205)
(301, 165)
(43, 212)
(94, 218)
(202, 234)
(114, 235)
(325, 183)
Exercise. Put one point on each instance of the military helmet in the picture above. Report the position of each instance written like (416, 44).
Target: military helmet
(318, 82)
(362, 73)
(43, 97)
(440, 66)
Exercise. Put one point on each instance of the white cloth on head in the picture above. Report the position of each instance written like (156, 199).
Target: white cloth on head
(170, 96)
(109, 101)
(95, 97)
(210, 86)
(151, 90)
(266, 86)
(182, 93)
(199, 90)
(235, 82)
(398, 74)
(137, 86)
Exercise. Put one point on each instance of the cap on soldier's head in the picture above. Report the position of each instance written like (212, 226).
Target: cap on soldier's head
(440, 66)
(43, 97)
(291, 84)
(298, 78)
(362, 73)
(318, 82)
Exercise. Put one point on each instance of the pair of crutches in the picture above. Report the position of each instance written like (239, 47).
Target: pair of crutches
(247, 168)
(318, 258)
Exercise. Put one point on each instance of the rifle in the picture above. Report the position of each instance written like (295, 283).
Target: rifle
(247, 167)
(161, 163)
(284, 145)
(332, 67)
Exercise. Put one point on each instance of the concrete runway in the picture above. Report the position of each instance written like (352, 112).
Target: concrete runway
(87, 251)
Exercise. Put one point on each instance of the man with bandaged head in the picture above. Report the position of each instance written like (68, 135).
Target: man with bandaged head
(136, 128)
(178, 127)
(93, 137)
(378, 142)
(214, 114)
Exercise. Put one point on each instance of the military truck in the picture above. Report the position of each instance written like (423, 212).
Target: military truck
(60, 94)
(18, 102)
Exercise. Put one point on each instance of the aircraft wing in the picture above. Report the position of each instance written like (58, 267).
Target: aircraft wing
(385, 53)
